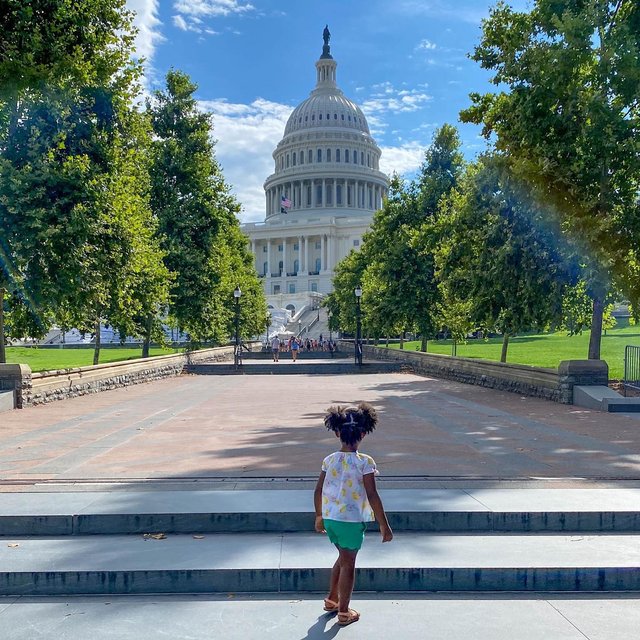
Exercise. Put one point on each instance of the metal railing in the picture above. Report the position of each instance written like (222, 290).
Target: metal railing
(631, 368)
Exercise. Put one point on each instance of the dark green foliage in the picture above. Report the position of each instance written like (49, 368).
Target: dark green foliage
(198, 227)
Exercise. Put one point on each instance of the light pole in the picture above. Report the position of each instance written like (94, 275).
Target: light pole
(266, 340)
(236, 352)
(329, 321)
(358, 347)
(299, 328)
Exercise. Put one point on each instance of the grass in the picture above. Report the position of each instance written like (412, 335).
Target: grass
(543, 350)
(49, 359)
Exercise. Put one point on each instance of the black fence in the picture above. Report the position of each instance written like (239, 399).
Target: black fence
(631, 367)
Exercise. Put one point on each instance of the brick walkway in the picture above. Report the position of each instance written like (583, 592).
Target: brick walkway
(271, 426)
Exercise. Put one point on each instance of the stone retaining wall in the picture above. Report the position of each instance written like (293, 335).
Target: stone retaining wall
(538, 382)
(48, 386)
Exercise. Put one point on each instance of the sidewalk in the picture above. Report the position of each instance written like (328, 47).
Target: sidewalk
(295, 617)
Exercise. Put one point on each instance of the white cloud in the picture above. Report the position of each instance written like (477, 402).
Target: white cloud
(386, 98)
(405, 159)
(247, 134)
(149, 35)
(212, 7)
(180, 22)
(148, 24)
(426, 45)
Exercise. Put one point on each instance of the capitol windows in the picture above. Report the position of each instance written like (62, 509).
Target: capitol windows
(369, 160)
(356, 243)
(320, 117)
(265, 268)
(319, 194)
(328, 155)
(310, 156)
(313, 117)
(362, 157)
(293, 159)
(338, 194)
(308, 196)
(318, 244)
(287, 160)
(335, 116)
(337, 155)
(346, 155)
(302, 157)
(280, 249)
(342, 116)
(264, 249)
(328, 116)
(319, 155)
(355, 157)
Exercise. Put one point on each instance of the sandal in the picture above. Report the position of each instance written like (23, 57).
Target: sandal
(330, 605)
(348, 617)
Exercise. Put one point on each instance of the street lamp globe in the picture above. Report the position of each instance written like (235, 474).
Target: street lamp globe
(237, 292)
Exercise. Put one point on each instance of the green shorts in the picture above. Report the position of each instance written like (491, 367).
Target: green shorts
(346, 535)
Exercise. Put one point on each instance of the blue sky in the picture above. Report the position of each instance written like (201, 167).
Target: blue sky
(404, 62)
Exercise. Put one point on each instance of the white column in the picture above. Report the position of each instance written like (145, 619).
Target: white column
(306, 254)
(329, 252)
(299, 254)
(324, 192)
(284, 257)
(323, 262)
(269, 258)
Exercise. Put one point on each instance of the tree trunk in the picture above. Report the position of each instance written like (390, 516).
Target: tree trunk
(596, 328)
(402, 337)
(387, 342)
(147, 337)
(3, 352)
(505, 345)
(454, 347)
(96, 350)
(423, 345)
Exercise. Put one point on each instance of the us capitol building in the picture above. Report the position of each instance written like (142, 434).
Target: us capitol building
(322, 195)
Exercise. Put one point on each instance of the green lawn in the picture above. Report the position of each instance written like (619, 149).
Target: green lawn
(544, 350)
(48, 359)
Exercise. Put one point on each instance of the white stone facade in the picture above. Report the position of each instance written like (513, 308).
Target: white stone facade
(327, 172)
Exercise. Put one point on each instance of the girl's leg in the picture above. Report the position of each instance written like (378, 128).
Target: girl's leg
(333, 582)
(346, 577)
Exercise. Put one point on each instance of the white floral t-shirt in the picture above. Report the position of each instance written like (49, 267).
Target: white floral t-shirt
(343, 494)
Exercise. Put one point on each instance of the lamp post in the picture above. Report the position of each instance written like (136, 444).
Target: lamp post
(236, 352)
(329, 322)
(358, 347)
(268, 323)
(299, 328)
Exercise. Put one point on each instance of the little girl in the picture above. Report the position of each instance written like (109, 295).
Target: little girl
(346, 499)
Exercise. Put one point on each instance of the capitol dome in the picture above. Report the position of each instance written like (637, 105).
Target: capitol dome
(327, 159)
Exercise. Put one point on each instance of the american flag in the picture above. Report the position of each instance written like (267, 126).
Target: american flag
(285, 203)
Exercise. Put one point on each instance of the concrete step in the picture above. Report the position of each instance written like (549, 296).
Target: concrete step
(405, 616)
(7, 401)
(304, 355)
(288, 367)
(603, 398)
(269, 510)
(300, 562)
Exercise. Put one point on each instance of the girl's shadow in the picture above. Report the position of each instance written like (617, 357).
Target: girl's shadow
(318, 631)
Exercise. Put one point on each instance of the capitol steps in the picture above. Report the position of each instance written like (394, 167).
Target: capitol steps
(287, 367)
(261, 541)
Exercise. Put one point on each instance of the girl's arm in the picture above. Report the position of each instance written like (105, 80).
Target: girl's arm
(376, 504)
(317, 502)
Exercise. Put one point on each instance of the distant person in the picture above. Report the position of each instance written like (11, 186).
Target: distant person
(275, 348)
(295, 345)
(346, 499)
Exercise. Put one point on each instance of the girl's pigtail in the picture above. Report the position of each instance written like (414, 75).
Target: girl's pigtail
(369, 417)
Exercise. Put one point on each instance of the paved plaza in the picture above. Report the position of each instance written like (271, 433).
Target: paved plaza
(252, 427)
(248, 448)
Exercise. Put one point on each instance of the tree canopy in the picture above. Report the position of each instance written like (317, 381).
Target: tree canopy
(567, 117)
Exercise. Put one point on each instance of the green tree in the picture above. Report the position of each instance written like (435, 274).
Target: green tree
(43, 41)
(198, 227)
(568, 120)
(498, 257)
(77, 233)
